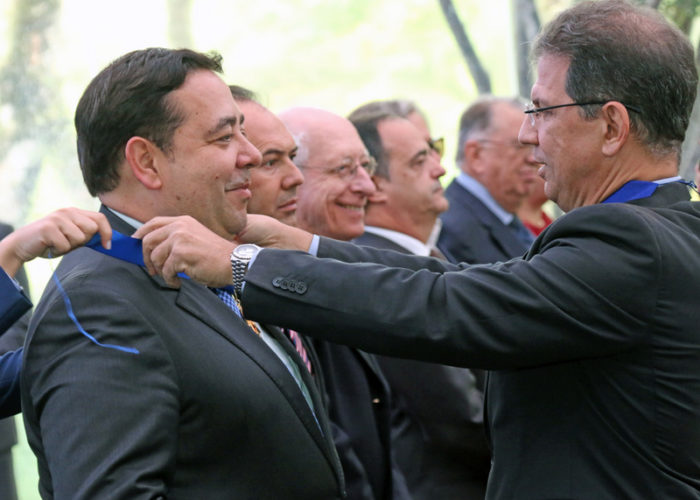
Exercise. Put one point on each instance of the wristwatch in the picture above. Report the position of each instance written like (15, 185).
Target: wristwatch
(240, 258)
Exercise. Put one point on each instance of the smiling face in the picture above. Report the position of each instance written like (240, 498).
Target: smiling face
(274, 183)
(205, 173)
(329, 204)
(567, 145)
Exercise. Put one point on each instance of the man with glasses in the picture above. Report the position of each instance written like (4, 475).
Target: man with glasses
(592, 336)
(331, 201)
(497, 173)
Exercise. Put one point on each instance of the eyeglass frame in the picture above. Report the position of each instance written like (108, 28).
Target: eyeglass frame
(371, 168)
(532, 111)
(437, 145)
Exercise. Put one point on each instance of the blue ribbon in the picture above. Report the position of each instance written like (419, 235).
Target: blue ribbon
(632, 190)
(124, 248)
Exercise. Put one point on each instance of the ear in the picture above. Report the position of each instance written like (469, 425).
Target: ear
(616, 121)
(145, 160)
(380, 195)
(472, 157)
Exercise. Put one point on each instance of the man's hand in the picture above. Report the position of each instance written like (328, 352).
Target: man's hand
(268, 232)
(173, 245)
(56, 234)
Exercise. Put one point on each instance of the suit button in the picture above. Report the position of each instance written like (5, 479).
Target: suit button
(276, 282)
(301, 287)
(376, 401)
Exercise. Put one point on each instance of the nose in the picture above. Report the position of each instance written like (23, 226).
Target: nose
(292, 176)
(437, 169)
(248, 155)
(362, 183)
(528, 133)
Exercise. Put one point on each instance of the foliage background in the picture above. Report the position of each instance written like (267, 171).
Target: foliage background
(332, 54)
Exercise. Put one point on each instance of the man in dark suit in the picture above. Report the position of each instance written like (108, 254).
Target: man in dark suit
(496, 173)
(154, 392)
(359, 399)
(440, 445)
(592, 335)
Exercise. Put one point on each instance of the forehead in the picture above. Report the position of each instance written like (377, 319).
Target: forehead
(400, 136)
(506, 120)
(551, 79)
(335, 139)
(264, 128)
(204, 100)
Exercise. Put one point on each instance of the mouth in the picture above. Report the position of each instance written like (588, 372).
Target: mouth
(288, 206)
(355, 208)
(243, 188)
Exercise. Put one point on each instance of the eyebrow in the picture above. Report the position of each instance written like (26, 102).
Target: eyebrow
(223, 123)
(280, 152)
(422, 152)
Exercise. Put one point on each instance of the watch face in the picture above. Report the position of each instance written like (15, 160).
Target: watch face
(245, 251)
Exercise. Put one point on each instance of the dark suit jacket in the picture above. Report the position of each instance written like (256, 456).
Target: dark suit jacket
(205, 410)
(472, 233)
(438, 435)
(593, 337)
(10, 365)
(360, 407)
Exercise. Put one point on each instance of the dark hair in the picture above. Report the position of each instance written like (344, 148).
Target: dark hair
(243, 94)
(366, 118)
(478, 118)
(130, 98)
(618, 51)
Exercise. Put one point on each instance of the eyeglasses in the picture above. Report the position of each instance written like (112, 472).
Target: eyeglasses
(534, 112)
(437, 145)
(347, 171)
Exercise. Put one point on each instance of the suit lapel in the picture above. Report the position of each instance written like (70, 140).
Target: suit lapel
(200, 302)
(502, 236)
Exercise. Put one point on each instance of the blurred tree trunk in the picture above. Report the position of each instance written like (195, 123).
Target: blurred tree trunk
(180, 23)
(527, 25)
(481, 78)
(28, 94)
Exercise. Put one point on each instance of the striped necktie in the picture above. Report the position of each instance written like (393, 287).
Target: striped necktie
(299, 346)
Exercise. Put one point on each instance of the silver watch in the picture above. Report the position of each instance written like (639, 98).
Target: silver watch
(240, 258)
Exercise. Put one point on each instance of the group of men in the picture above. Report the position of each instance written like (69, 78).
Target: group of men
(196, 365)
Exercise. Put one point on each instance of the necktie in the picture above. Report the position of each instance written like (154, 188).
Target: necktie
(299, 346)
(233, 303)
(521, 232)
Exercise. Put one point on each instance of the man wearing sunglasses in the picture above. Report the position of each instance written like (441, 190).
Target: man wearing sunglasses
(591, 337)
(441, 446)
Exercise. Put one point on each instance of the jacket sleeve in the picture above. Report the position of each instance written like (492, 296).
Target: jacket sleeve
(578, 293)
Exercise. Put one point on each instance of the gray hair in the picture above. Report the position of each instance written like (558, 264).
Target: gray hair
(631, 54)
(477, 119)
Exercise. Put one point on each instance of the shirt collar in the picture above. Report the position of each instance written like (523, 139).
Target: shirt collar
(410, 243)
(129, 220)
